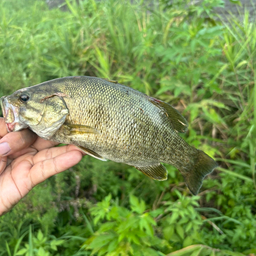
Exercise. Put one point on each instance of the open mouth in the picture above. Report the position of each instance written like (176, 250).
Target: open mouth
(11, 116)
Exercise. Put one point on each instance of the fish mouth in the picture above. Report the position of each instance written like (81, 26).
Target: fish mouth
(11, 116)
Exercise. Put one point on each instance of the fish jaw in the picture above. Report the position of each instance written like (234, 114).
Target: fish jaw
(11, 116)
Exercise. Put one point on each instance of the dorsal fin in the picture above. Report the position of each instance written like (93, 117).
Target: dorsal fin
(178, 122)
(111, 81)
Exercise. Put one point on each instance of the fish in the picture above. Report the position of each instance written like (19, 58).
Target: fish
(109, 121)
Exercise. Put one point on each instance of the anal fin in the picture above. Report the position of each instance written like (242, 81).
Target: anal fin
(156, 172)
(92, 153)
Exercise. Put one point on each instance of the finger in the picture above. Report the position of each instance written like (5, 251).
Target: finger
(3, 163)
(3, 130)
(16, 141)
(45, 169)
(52, 153)
(41, 144)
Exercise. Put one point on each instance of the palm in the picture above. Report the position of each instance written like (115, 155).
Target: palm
(31, 164)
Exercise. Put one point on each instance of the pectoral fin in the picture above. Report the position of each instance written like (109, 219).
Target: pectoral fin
(156, 172)
(178, 122)
(92, 153)
(76, 129)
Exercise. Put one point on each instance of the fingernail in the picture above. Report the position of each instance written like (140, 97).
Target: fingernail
(4, 148)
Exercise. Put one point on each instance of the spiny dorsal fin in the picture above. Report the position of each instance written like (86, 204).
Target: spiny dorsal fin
(92, 153)
(178, 122)
(203, 166)
(111, 81)
(156, 172)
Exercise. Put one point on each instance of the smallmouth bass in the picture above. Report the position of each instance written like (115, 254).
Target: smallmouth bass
(111, 121)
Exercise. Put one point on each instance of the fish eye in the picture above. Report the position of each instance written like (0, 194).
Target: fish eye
(24, 97)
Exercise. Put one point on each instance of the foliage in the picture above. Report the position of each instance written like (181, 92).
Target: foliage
(126, 232)
(39, 245)
(177, 53)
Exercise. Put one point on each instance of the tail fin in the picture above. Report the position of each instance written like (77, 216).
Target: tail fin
(202, 167)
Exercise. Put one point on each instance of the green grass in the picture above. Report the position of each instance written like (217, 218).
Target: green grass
(206, 69)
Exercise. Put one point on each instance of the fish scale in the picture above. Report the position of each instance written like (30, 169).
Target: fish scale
(117, 136)
(111, 121)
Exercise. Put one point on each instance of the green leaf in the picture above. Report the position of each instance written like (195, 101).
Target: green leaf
(156, 212)
(194, 112)
(196, 252)
(188, 241)
(42, 252)
(235, 2)
(174, 217)
(146, 222)
(30, 242)
(168, 231)
(230, 253)
(102, 240)
(164, 89)
(240, 176)
(40, 235)
(250, 251)
(136, 205)
(133, 238)
(112, 245)
(186, 250)
(212, 253)
(22, 251)
(180, 231)
(107, 226)
(8, 248)
(56, 243)
(149, 252)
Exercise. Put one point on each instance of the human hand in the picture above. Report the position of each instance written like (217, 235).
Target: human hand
(27, 160)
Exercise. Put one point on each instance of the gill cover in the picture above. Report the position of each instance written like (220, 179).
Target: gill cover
(53, 116)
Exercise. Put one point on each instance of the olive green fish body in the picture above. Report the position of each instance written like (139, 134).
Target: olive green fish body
(111, 121)
(132, 129)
